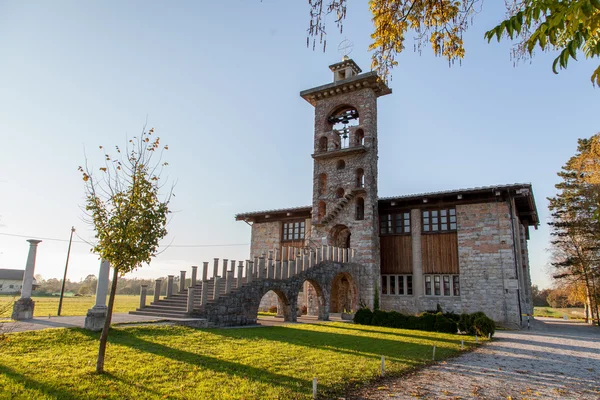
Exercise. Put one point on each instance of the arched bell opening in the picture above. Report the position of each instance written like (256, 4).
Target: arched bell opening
(344, 294)
(340, 121)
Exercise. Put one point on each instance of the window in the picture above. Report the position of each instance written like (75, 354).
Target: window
(443, 285)
(360, 137)
(293, 231)
(341, 164)
(11, 286)
(396, 285)
(1, 285)
(456, 285)
(360, 178)
(360, 209)
(390, 224)
(322, 184)
(339, 193)
(323, 144)
(322, 210)
(442, 220)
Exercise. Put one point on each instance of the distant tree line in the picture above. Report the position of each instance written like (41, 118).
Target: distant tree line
(563, 296)
(87, 286)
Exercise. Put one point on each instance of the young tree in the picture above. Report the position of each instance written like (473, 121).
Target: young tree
(576, 223)
(127, 211)
(567, 26)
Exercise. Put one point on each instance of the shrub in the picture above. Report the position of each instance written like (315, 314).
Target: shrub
(273, 309)
(465, 323)
(452, 316)
(363, 316)
(426, 322)
(397, 320)
(380, 318)
(484, 325)
(445, 325)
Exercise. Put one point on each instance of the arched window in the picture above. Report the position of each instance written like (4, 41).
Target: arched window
(322, 210)
(359, 137)
(341, 164)
(360, 208)
(360, 178)
(323, 144)
(341, 120)
(339, 193)
(322, 184)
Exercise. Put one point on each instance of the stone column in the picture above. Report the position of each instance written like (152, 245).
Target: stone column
(170, 285)
(228, 280)
(194, 275)
(204, 271)
(255, 268)
(270, 267)
(292, 268)
(216, 291)
(23, 308)
(240, 277)
(278, 270)
(157, 288)
(249, 272)
(204, 293)
(190, 300)
(224, 274)
(181, 281)
(311, 259)
(284, 269)
(261, 267)
(417, 260)
(96, 316)
(143, 293)
(216, 267)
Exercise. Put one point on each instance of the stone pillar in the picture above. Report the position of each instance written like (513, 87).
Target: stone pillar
(157, 288)
(261, 267)
(96, 316)
(311, 258)
(292, 268)
(240, 277)
(143, 293)
(298, 264)
(190, 300)
(278, 270)
(250, 272)
(216, 291)
(224, 275)
(270, 267)
(229, 279)
(194, 275)
(216, 267)
(181, 281)
(204, 293)
(284, 269)
(23, 308)
(204, 271)
(417, 260)
(170, 285)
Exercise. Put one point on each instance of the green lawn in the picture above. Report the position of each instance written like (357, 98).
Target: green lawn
(45, 306)
(165, 362)
(571, 313)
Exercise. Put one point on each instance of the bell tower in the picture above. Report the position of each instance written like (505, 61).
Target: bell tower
(344, 206)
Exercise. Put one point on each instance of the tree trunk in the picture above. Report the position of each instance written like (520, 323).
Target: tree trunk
(104, 335)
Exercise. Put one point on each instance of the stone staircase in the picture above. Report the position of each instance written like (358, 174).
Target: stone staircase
(339, 207)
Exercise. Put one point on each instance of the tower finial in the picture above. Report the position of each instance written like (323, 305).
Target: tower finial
(345, 48)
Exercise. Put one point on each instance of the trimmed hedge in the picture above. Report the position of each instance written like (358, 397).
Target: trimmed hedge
(428, 321)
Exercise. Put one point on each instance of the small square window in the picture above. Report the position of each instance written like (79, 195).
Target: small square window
(384, 285)
(401, 285)
(436, 285)
(409, 288)
(392, 284)
(428, 285)
(446, 285)
(456, 285)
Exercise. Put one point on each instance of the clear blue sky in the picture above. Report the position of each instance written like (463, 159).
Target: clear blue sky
(220, 81)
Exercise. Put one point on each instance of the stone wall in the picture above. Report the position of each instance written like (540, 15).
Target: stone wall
(487, 264)
(265, 236)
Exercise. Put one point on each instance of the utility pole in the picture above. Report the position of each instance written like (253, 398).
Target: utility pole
(62, 289)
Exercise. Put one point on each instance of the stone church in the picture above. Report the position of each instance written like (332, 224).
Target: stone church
(463, 249)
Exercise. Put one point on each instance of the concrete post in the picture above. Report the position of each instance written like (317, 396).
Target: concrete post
(23, 308)
(270, 268)
(157, 284)
(298, 264)
(278, 270)
(284, 269)
(417, 261)
(250, 273)
(240, 276)
(228, 279)
(181, 281)
(194, 275)
(143, 293)
(190, 300)
(224, 274)
(170, 285)
(292, 268)
(216, 291)
(204, 271)
(261, 267)
(216, 267)
(96, 316)
(325, 250)
(204, 293)
(312, 258)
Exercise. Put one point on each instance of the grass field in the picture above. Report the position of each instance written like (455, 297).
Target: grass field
(45, 306)
(571, 313)
(165, 362)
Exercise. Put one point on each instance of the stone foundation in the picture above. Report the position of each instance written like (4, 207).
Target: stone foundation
(95, 319)
(23, 309)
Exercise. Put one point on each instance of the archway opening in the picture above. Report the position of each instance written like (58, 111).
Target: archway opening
(360, 209)
(344, 294)
(341, 119)
(340, 236)
(274, 304)
(359, 136)
(311, 301)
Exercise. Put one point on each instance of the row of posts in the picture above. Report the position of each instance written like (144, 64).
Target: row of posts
(288, 262)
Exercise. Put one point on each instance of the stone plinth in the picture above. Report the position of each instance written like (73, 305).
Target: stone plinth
(95, 318)
(23, 309)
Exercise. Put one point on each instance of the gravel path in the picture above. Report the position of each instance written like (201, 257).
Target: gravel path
(556, 359)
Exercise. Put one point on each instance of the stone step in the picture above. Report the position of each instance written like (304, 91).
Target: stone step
(157, 313)
(166, 307)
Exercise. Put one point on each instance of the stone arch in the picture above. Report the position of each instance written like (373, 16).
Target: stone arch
(339, 236)
(360, 178)
(314, 299)
(344, 113)
(360, 209)
(283, 303)
(344, 293)
(359, 137)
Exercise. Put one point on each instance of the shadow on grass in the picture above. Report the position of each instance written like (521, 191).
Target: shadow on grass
(29, 383)
(408, 353)
(125, 338)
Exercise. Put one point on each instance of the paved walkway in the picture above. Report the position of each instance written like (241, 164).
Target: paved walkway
(556, 359)
(38, 323)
